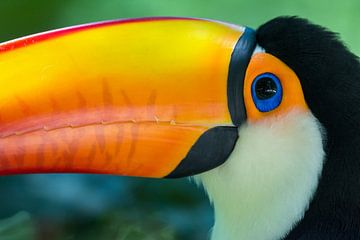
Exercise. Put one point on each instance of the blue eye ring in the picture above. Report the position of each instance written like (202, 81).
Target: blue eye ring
(266, 91)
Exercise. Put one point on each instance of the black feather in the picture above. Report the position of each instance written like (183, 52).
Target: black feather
(330, 78)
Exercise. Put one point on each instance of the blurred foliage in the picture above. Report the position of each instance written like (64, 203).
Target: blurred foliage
(21, 17)
(75, 206)
(17, 227)
(108, 207)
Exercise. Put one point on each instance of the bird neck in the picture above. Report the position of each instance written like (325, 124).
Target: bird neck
(334, 212)
(265, 186)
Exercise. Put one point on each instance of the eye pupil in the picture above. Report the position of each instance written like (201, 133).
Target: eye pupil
(266, 91)
(265, 88)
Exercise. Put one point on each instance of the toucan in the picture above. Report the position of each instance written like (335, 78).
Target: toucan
(266, 120)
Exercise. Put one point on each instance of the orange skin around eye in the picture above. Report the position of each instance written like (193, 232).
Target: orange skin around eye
(293, 97)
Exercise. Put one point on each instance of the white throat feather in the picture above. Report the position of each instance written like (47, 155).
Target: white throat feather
(266, 185)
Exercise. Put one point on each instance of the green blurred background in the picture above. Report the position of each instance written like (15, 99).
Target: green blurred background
(19, 17)
(110, 207)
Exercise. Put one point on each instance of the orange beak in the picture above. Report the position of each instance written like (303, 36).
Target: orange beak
(153, 97)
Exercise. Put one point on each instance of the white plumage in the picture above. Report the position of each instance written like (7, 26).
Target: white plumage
(265, 186)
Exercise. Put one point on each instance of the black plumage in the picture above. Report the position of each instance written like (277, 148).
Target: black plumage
(330, 78)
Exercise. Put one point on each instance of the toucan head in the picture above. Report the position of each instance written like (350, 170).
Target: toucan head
(246, 110)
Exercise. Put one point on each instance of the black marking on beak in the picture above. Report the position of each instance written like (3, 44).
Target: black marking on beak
(211, 150)
(214, 146)
(239, 62)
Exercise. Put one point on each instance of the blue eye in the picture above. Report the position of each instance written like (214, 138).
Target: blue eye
(266, 91)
